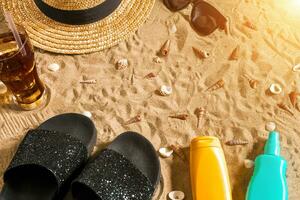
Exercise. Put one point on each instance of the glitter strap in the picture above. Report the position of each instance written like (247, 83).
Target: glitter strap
(111, 176)
(79, 17)
(58, 154)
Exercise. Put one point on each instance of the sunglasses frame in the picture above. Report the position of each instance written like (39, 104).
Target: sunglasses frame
(220, 19)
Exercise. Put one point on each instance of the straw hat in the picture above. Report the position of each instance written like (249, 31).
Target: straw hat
(78, 26)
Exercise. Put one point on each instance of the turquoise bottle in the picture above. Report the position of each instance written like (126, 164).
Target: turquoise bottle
(269, 178)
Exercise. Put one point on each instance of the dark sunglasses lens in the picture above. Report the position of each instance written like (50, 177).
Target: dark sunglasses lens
(176, 5)
(206, 19)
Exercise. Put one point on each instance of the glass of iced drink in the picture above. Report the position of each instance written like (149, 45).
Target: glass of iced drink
(18, 68)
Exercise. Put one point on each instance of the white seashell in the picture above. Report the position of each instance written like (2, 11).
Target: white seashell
(54, 67)
(173, 29)
(165, 152)
(296, 68)
(270, 126)
(87, 114)
(248, 163)
(166, 90)
(157, 60)
(275, 88)
(176, 195)
(3, 88)
(122, 64)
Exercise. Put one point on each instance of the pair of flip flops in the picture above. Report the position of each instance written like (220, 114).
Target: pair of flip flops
(54, 155)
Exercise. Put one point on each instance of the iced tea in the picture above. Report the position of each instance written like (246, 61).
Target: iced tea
(18, 70)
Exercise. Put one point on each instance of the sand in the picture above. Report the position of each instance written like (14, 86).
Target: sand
(236, 111)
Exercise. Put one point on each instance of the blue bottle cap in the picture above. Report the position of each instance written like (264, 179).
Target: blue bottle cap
(272, 146)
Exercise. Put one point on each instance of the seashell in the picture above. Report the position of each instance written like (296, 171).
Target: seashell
(178, 151)
(165, 152)
(200, 54)
(87, 114)
(293, 98)
(216, 86)
(54, 67)
(200, 112)
(150, 75)
(285, 108)
(173, 29)
(252, 82)
(248, 163)
(236, 142)
(235, 54)
(227, 27)
(92, 81)
(176, 195)
(165, 49)
(122, 64)
(275, 88)
(296, 68)
(157, 59)
(270, 126)
(180, 116)
(165, 90)
(250, 25)
(135, 119)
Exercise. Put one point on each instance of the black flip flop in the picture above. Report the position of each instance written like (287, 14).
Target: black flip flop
(48, 158)
(128, 169)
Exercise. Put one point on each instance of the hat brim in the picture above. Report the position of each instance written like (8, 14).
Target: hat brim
(53, 36)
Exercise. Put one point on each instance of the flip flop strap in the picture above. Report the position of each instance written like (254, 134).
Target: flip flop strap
(59, 153)
(111, 176)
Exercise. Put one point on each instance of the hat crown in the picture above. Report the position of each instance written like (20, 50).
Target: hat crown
(73, 4)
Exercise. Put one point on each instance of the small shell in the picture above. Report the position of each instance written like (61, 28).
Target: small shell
(165, 152)
(235, 54)
(293, 98)
(236, 142)
(296, 68)
(285, 108)
(216, 86)
(54, 67)
(248, 163)
(275, 88)
(87, 114)
(157, 59)
(270, 126)
(176, 195)
(250, 25)
(200, 112)
(165, 49)
(180, 116)
(200, 54)
(150, 75)
(135, 119)
(173, 29)
(165, 90)
(92, 81)
(122, 64)
(252, 82)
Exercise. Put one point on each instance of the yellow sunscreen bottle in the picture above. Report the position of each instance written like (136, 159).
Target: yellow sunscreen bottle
(208, 170)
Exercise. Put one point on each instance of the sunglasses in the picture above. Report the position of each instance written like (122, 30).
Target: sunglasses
(205, 18)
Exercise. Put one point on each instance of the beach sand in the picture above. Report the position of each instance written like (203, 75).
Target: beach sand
(268, 52)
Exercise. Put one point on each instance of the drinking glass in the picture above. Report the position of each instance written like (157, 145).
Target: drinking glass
(18, 68)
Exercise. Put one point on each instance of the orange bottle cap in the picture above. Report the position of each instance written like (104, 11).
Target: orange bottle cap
(205, 141)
